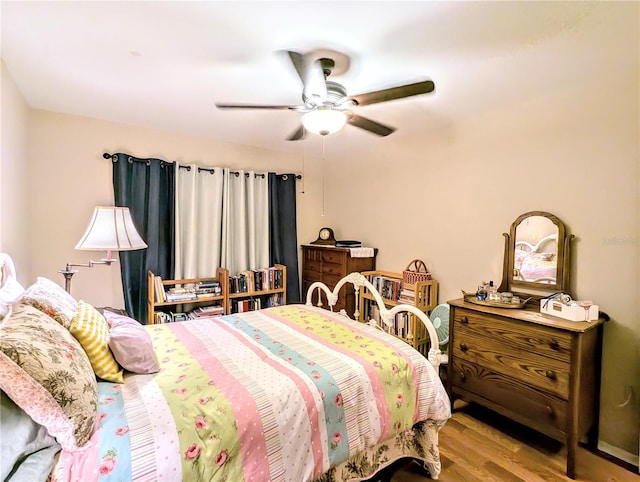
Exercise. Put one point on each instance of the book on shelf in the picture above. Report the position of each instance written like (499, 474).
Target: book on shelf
(256, 303)
(389, 288)
(256, 280)
(175, 297)
(274, 300)
(158, 289)
(201, 296)
(401, 325)
(160, 317)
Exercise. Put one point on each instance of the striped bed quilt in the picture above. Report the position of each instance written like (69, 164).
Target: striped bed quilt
(293, 393)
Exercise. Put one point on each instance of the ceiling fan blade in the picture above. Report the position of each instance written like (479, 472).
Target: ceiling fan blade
(253, 106)
(312, 76)
(392, 93)
(297, 135)
(370, 125)
(298, 63)
(315, 85)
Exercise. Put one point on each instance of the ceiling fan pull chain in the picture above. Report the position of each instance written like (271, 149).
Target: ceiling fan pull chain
(323, 162)
(304, 155)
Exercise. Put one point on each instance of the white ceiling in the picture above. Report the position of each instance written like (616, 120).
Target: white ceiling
(164, 64)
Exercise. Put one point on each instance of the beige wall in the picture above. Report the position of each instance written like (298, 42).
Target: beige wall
(444, 196)
(447, 196)
(14, 195)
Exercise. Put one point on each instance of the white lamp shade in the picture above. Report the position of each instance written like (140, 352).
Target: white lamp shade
(324, 121)
(111, 229)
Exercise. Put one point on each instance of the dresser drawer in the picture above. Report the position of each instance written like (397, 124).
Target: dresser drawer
(523, 401)
(311, 266)
(510, 360)
(530, 337)
(336, 257)
(333, 269)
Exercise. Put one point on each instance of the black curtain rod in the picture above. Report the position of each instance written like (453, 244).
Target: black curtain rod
(114, 158)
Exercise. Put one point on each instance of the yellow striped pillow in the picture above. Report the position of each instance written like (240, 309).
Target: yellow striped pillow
(91, 330)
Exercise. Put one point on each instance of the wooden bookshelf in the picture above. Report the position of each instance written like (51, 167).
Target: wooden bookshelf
(423, 295)
(275, 287)
(156, 287)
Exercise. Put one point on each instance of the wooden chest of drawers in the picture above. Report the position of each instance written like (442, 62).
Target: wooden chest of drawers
(329, 265)
(541, 371)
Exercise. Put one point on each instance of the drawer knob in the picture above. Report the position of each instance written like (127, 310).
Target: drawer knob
(464, 347)
(463, 377)
(464, 320)
(551, 375)
(554, 345)
(549, 410)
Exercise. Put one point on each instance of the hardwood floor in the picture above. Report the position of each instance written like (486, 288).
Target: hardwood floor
(479, 445)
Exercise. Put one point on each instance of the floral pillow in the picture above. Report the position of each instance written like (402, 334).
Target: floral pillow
(52, 299)
(45, 371)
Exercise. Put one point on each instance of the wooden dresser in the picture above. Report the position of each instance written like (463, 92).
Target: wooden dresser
(329, 265)
(539, 370)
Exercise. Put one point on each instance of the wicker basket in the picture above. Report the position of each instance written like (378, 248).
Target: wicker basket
(416, 271)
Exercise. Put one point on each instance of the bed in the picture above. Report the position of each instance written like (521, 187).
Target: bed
(292, 393)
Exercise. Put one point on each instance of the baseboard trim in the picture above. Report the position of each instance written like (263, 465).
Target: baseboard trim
(630, 461)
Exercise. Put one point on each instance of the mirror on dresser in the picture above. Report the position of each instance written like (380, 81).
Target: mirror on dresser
(536, 256)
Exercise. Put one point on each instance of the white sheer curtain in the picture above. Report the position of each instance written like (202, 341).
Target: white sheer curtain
(245, 221)
(198, 221)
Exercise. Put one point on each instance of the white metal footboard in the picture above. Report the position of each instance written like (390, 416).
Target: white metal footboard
(386, 315)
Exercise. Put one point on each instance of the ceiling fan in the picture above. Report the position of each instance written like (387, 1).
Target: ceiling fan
(325, 101)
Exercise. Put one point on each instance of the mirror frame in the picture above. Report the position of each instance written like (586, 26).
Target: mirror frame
(538, 290)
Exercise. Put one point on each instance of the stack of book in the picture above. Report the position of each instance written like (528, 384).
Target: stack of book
(176, 293)
(206, 311)
(205, 289)
(407, 296)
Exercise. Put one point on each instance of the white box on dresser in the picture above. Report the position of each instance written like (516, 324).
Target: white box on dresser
(568, 312)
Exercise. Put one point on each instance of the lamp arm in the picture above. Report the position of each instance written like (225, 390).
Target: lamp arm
(68, 270)
(90, 264)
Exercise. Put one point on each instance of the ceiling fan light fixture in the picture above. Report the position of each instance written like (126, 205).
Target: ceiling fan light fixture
(324, 121)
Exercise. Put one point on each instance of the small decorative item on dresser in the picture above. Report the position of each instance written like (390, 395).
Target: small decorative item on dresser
(416, 271)
(325, 237)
